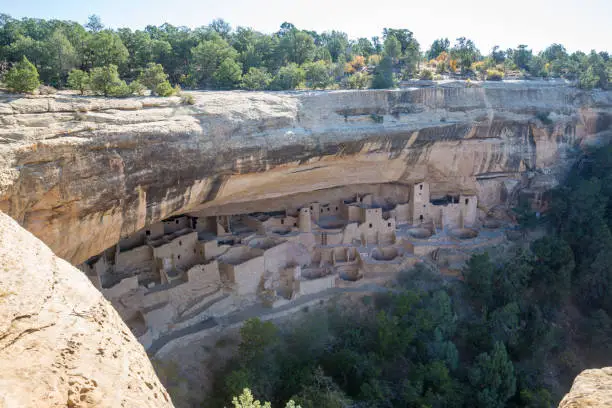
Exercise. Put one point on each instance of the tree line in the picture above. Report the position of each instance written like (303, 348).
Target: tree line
(217, 56)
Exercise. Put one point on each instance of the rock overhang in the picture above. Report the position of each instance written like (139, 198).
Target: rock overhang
(81, 172)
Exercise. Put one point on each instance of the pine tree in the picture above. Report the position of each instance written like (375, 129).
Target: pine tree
(22, 77)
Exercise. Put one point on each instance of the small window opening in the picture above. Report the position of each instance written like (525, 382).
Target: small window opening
(311, 207)
(177, 221)
(148, 232)
(466, 201)
(180, 243)
(295, 224)
(179, 257)
(421, 217)
(388, 224)
(321, 210)
(421, 187)
(370, 225)
(283, 222)
(336, 208)
(194, 250)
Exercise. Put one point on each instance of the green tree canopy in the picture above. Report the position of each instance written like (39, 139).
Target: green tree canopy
(105, 48)
(493, 379)
(228, 75)
(317, 74)
(465, 52)
(208, 56)
(78, 80)
(154, 78)
(438, 47)
(105, 81)
(256, 79)
(383, 76)
(288, 77)
(393, 47)
(22, 77)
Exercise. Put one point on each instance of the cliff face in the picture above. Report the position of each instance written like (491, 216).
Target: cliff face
(80, 172)
(61, 343)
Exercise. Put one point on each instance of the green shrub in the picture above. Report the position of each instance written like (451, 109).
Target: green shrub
(256, 79)
(164, 89)
(360, 80)
(288, 77)
(377, 118)
(228, 75)
(317, 74)
(105, 81)
(78, 80)
(188, 99)
(22, 77)
(426, 75)
(494, 75)
(588, 79)
(153, 76)
(137, 88)
(46, 90)
(120, 90)
(383, 77)
(544, 117)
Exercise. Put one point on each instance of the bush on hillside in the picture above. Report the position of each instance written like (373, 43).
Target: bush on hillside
(256, 79)
(494, 75)
(383, 77)
(78, 80)
(288, 77)
(137, 88)
(164, 89)
(120, 90)
(426, 75)
(317, 74)
(22, 77)
(188, 99)
(105, 81)
(46, 90)
(360, 80)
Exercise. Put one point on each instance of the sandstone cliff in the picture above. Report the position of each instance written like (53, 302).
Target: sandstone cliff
(80, 172)
(592, 388)
(61, 343)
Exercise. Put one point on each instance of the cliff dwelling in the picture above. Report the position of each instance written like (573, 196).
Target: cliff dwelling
(186, 268)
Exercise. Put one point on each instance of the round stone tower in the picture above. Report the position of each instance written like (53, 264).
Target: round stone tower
(304, 220)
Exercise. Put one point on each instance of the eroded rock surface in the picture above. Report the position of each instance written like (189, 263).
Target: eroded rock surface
(61, 343)
(82, 172)
(592, 388)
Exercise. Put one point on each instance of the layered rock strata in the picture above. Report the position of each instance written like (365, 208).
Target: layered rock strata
(82, 172)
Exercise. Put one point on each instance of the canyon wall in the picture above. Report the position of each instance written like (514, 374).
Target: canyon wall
(61, 343)
(81, 172)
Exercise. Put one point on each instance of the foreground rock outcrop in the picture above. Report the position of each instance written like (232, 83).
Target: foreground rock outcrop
(82, 172)
(592, 388)
(61, 343)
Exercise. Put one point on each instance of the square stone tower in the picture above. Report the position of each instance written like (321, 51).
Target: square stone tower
(419, 203)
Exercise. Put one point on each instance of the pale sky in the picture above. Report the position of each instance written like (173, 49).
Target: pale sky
(577, 24)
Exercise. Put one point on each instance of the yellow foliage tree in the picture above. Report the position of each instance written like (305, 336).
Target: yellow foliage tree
(355, 65)
(443, 57)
